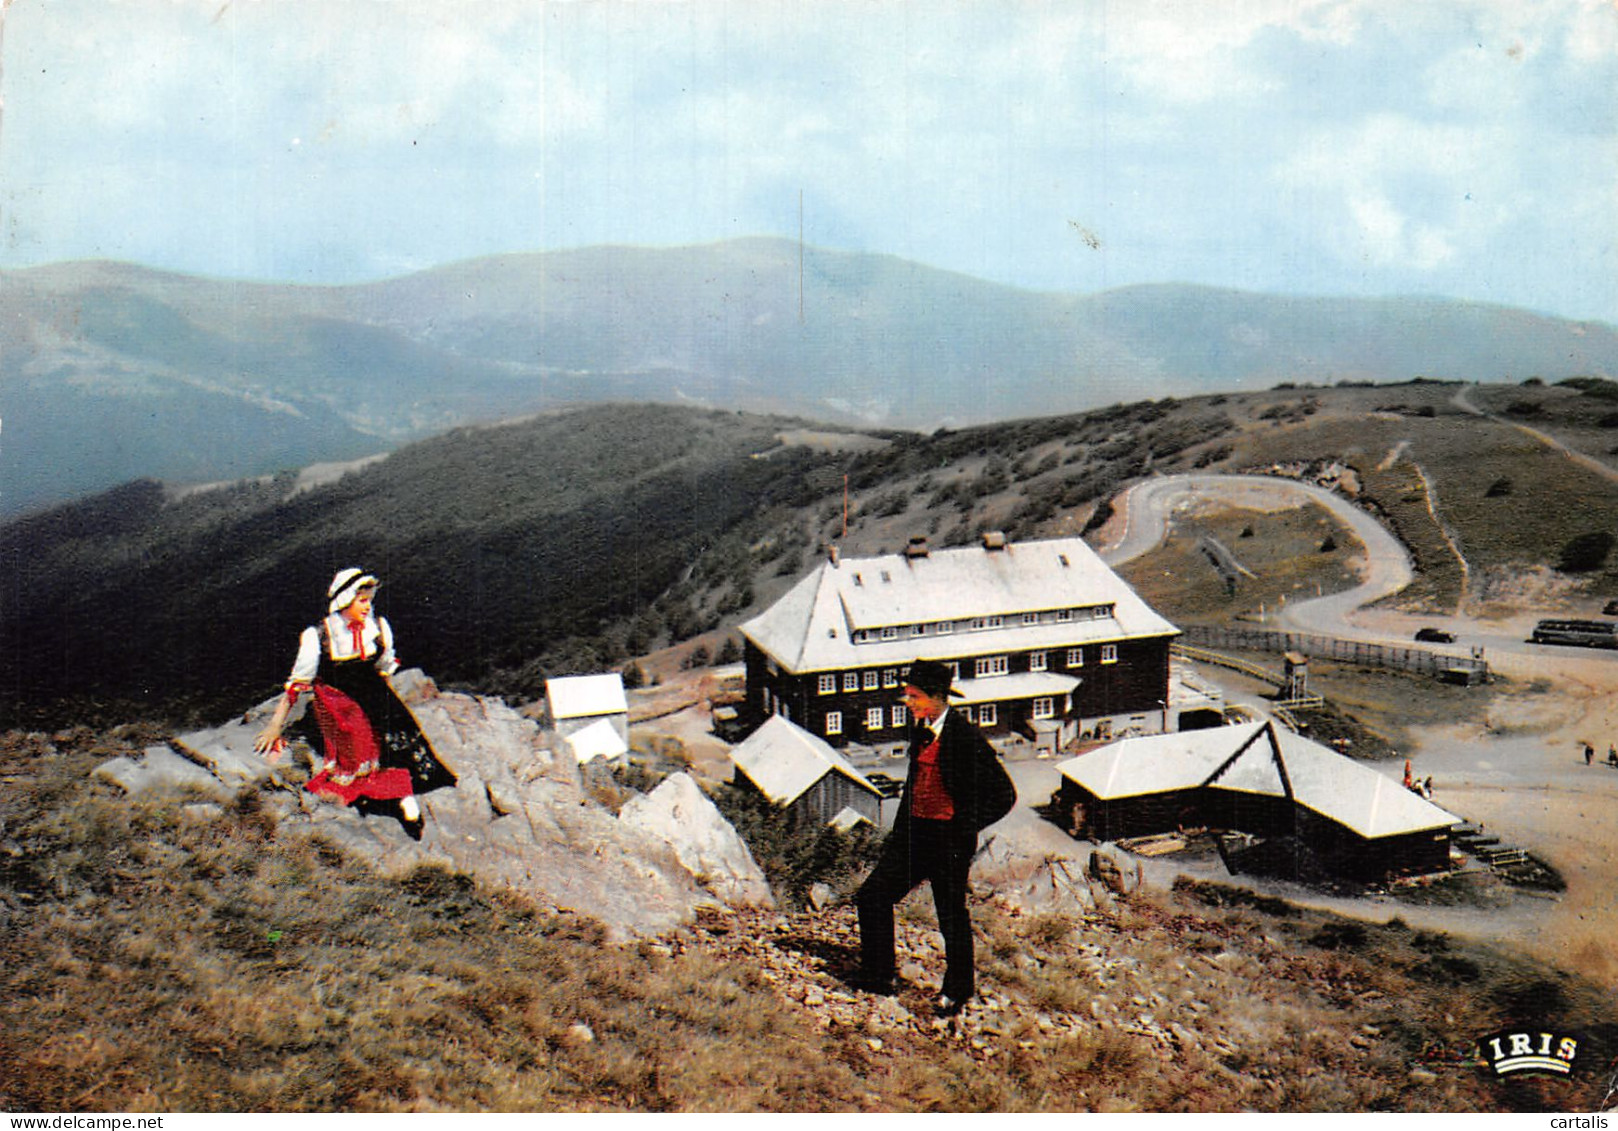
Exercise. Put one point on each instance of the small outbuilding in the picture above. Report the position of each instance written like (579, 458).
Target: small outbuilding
(805, 775)
(1263, 780)
(598, 740)
(575, 702)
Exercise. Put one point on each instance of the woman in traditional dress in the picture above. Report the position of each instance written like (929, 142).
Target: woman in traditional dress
(374, 749)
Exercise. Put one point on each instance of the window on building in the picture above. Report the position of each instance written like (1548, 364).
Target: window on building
(1109, 653)
(995, 622)
(967, 712)
(1045, 708)
(873, 718)
(1036, 661)
(1030, 618)
(890, 677)
(954, 668)
(868, 680)
(944, 627)
(992, 665)
(851, 681)
(828, 684)
(890, 633)
(834, 722)
(918, 630)
(1064, 615)
(1101, 612)
(988, 715)
(899, 716)
(978, 622)
(1075, 657)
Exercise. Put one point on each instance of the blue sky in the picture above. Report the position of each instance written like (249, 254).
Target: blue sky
(1354, 147)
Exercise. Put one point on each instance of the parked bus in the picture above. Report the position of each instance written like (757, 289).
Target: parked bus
(1585, 633)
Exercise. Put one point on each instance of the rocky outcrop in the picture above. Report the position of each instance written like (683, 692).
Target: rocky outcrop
(519, 817)
(680, 814)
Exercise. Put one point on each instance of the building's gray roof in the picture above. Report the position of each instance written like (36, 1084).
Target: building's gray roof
(1018, 685)
(811, 627)
(784, 761)
(847, 819)
(581, 696)
(598, 740)
(1338, 788)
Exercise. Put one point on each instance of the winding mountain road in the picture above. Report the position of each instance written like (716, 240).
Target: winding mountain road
(1149, 510)
(1519, 771)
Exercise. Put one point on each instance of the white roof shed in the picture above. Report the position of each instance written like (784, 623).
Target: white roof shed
(785, 761)
(586, 696)
(1258, 758)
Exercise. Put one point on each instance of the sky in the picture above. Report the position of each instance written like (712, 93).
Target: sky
(1464, 148)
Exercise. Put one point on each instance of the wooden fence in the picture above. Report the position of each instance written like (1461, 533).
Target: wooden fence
(1392, 656)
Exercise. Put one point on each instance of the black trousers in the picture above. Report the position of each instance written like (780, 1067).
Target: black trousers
(920, 850)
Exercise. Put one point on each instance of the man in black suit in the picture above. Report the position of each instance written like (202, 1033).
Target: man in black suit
(955, 788)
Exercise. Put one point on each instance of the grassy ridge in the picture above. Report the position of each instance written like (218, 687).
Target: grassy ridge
(579, 541)
(161, 959)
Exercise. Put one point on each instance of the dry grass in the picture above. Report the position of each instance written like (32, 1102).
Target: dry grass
(1293, 554)
(164, 959)
(1511, 501)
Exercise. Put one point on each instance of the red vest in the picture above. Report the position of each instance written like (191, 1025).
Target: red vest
(928, 798)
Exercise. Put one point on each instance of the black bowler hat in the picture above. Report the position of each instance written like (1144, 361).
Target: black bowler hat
(931, 677)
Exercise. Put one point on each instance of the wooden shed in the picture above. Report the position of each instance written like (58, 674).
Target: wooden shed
(804, 775)
(1261, 779)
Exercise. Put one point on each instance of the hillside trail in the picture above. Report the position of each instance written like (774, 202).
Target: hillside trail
(1520, 773)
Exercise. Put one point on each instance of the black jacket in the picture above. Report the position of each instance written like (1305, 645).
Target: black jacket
(978, 785)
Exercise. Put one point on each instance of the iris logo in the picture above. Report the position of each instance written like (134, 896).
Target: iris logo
(1510, 1052)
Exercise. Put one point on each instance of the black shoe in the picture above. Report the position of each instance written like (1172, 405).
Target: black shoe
(869, 985)
(413, 828)
(947, 1006)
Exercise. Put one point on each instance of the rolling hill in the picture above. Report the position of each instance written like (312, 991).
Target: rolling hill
(112, 372)
(585, 538)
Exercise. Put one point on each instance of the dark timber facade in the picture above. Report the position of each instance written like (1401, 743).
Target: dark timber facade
(1043, 637)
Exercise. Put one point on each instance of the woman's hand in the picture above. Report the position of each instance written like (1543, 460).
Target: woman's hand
(270, 744)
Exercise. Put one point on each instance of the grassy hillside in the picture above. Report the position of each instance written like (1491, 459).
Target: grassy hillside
(150, 362)
(162, 959)
(581, 540)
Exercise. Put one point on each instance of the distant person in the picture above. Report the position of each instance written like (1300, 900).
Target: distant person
(374, 749)
(1589, 754)
(1427, 787)
(1612, 755)
(955, 788)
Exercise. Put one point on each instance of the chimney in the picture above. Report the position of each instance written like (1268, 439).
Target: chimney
(917, 547)
(832, 555)
(994, 540)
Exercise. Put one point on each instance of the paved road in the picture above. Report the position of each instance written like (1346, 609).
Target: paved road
(1149, 510)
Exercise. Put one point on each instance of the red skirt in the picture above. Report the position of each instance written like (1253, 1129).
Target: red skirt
(352, 770)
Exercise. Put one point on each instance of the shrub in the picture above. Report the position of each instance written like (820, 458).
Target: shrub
(1586, 553)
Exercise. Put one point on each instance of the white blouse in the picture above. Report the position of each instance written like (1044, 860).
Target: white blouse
(376, 640)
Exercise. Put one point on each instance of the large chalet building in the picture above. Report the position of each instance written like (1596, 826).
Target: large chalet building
(1044, 639)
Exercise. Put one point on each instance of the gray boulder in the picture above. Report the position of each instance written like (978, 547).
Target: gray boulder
(678, 812)
(159, 769)
(519, 817)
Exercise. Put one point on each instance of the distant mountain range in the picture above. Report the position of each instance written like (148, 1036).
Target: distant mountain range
(109, 372)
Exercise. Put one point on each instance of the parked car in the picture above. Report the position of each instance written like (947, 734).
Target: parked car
(1432, 635)
(1611, 608)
